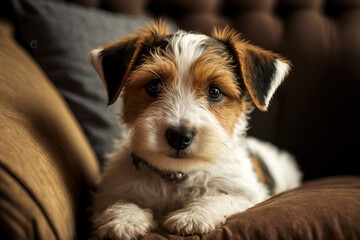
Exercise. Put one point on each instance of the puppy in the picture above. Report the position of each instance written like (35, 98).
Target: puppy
(183, 162)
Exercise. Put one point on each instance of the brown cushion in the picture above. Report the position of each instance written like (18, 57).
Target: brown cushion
(321, 209)
(46, 163)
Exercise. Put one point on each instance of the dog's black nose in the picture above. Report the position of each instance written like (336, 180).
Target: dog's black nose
(179, 138)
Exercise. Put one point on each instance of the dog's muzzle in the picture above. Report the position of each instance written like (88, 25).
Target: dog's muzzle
(179, 138)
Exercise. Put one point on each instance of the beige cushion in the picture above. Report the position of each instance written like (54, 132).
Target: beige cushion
(46, 163)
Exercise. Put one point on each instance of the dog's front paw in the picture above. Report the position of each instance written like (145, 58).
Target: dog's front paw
(191, 221)
(124, 221)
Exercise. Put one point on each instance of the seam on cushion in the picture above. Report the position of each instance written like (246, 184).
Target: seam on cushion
(32, 196)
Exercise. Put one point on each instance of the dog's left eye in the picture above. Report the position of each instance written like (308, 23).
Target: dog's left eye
(153, 88)
(214, 94)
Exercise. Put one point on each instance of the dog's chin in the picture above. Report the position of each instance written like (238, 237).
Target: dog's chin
(173, 162)
(178, 155)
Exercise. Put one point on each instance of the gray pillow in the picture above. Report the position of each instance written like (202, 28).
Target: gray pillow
(60, 36)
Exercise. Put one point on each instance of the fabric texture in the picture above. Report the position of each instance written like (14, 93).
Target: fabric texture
(47, 165)
(328, 208)
(61, 36)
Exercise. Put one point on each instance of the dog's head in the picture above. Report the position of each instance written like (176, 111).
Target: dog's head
(185, 96)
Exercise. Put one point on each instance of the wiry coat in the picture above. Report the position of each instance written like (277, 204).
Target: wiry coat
(205, 85)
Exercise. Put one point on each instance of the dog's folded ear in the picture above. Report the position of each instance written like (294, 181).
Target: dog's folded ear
(261, 71)
(115, 61)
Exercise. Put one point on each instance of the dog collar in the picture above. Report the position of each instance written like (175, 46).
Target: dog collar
(172, 176)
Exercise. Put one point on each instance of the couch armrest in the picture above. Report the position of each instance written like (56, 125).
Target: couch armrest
(46, 163)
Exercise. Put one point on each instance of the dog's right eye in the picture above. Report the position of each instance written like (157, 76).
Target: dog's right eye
(214, 94)
(153, 88)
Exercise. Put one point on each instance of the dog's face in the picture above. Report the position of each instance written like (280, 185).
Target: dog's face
(185, 96)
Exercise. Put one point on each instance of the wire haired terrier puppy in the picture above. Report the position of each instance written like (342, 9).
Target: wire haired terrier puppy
(184, 162)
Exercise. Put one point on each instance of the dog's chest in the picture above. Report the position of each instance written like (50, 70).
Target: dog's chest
(140, 184)
(150, 190)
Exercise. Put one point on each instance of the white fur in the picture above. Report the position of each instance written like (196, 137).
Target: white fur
(221, 179)
(124, 221)
(96, 62)
(186, 47)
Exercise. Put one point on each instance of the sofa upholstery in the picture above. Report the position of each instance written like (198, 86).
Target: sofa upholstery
(48, 166)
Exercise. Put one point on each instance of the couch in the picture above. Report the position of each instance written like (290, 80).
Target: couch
(55, 128)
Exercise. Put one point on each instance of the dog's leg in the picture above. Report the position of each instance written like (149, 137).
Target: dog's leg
(205, 214)
(124, 221)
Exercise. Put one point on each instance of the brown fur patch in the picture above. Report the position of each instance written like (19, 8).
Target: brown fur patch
(132, 46)
(136, 100)
(263, 173)
(251, 61)
(214, 70)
